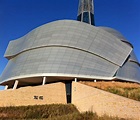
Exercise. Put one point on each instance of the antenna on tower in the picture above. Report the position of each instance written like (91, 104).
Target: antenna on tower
(86, 11)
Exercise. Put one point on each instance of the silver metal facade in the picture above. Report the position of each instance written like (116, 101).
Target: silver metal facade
(117, 34)
(73, 34)
(129, 72)
(70, 48)
(59, 60)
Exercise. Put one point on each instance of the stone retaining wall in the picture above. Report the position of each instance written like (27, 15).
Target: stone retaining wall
(44, 94)
(88, 98)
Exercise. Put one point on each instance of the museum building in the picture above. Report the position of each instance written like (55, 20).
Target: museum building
(68, 50)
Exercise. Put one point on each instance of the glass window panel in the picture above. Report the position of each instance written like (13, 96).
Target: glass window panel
(86, 17)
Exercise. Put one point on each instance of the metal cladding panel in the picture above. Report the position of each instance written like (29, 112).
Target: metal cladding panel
(133, 57)
(114, 32)
(73, 34)
(58, 60)
(130, 71)
(110, 47)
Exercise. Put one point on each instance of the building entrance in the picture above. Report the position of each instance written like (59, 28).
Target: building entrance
(68, 91)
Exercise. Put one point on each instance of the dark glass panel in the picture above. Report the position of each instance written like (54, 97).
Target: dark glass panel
(92, 19)
(86, 17)
(68, 91)
(79, 17)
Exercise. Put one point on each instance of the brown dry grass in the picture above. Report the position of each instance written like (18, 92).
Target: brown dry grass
(50, 112)
(126, 89)
(104, 85)
(36, 111)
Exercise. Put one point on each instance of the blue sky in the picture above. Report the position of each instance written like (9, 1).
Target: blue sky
(18, 17)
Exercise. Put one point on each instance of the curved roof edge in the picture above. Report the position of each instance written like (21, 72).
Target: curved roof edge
(125, 79)
(135, 62)
(127, 43)
(57, 75)
(70, 76)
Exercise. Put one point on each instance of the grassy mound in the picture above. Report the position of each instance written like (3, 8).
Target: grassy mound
(49, 112)
(132, 93)
(85, 116)
(37, 111)
(129, 90)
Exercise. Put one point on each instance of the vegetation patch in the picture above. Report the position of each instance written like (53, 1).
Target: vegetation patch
(125, 89)
(49, 112)
(85, 116)
(36, 111)
(132, 93)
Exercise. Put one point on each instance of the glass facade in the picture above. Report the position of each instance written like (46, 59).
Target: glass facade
(92, 19)
(85, 12)
(68, 91)
(79, 17)
(86, 17)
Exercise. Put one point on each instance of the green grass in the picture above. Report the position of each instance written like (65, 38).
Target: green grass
(49, 112)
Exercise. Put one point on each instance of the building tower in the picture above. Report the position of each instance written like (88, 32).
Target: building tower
(86, 11)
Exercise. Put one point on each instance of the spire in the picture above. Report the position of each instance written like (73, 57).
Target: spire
(86, 11)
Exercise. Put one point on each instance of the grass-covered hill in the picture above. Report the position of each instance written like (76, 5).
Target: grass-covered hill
(49, 112)
(125, 89)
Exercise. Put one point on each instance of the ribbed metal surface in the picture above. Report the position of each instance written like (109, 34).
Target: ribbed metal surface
(73, 34)
(133, 57)
(60, 60)
(129, 71)
(70, 48)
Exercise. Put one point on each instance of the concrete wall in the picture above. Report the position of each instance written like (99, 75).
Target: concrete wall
(88, 98)
(51, 93)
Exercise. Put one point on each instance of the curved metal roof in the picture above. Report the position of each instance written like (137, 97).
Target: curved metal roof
(68, 48)
(73, 34)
